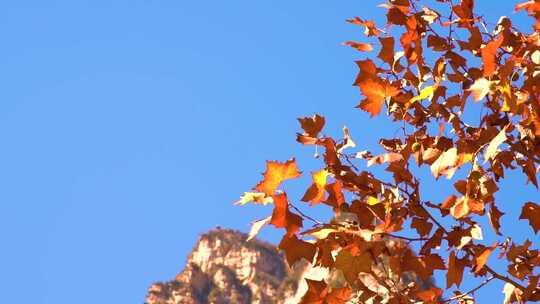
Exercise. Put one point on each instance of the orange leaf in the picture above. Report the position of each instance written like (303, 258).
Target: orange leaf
(481, 260)
(465, 206)
(494, 218)
(530, 6)
(296, 249)
(449, 202)
(367, 70)
(312, 125)
(423, 266)
(385, 158)
(276, 173)
(362, 47)
(339, 295)
(422, 226)
(396, 16)
(460, 209)
(315, 193)
(433, 242)
(531, 211)
(489, 51)
(376, 91)
(282, 217)
(371, 30)
(352, 265)
(430, 295)
(455, 270)
(335, 195)
(387, 50)
(316, 292)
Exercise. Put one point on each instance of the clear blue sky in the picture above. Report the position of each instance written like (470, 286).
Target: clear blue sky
(129, 127)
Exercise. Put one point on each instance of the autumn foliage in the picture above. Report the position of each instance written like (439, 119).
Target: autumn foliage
(427, 69)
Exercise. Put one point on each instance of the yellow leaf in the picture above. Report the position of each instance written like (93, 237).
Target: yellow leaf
(372, 200)
(319, 177)
(256, 197)
(426, 93)
(315, 193)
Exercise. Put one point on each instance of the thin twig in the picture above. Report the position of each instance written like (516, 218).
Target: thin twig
(305, 215)
(504, 278)
(488, 269)
(406, 238)
(470, 291)
(350, 162)
(434, 220)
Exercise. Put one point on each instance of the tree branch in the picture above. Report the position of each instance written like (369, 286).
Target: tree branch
(434, 220)
(406, 238)
(470, 291)
(488, 269)
(504, 278)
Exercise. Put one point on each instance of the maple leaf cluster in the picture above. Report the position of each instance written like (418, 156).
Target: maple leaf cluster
(432, 68)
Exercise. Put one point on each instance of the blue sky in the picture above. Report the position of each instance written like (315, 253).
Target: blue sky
(130, 127)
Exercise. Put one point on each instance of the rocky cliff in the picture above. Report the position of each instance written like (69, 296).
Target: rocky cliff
(224, 268)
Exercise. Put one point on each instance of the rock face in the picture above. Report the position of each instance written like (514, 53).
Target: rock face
(224, 268)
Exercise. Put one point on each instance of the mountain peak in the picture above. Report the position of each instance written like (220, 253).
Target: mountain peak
(225, 268)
